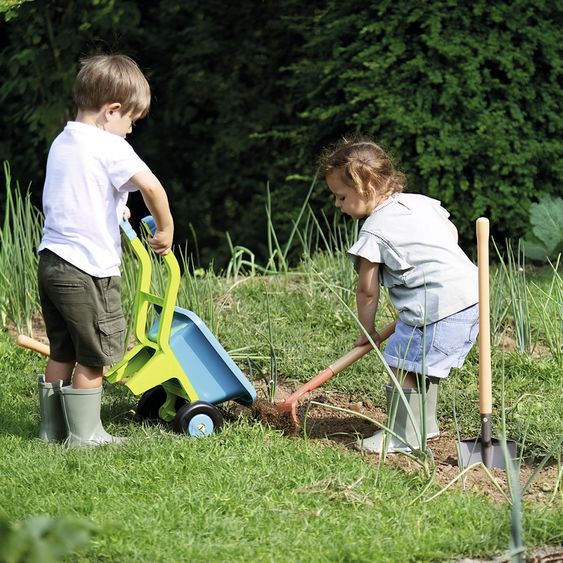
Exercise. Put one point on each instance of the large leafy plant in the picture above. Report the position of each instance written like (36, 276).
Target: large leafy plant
(544, 241)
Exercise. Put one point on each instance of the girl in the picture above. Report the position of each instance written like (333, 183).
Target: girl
(408, 245)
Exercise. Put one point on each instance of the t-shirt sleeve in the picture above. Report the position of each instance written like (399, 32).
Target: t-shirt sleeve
(442, 211)
(122, 163)
(376, 250)
(365, 247)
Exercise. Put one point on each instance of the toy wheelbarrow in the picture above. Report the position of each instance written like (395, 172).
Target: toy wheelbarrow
(178, 366)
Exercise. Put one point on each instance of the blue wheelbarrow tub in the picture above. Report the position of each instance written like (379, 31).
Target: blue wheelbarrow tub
(211, 371)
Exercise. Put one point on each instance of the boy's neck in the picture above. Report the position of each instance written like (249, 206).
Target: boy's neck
(93, 118)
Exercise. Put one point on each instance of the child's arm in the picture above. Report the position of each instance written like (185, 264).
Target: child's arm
(367, 299)
(157, 203)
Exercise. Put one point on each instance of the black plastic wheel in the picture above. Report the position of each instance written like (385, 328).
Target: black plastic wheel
(150, 403)
(198, 419)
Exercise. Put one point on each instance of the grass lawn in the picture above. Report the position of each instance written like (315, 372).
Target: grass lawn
(251, 493)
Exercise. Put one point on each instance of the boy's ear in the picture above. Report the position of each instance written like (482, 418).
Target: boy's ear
(111, 108)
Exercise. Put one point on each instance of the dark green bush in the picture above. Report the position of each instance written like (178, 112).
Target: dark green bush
(466, 96)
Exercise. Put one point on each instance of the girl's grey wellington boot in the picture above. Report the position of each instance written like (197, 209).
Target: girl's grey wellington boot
(432, 428)
(81, 408)
(52, 427)
(399, 421)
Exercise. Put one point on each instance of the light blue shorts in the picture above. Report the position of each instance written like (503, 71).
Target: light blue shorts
(447, 343)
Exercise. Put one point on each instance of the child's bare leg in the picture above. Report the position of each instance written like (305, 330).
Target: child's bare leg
(56, 371)
(408, 379)
(86, 377)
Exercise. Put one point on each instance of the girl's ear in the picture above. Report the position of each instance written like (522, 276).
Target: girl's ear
(370, 191)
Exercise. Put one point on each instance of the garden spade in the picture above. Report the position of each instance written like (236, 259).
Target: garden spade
(290, 404)
(485, 449)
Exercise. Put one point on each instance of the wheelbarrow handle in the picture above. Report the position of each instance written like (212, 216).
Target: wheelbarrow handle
(32, 344)
(485, 375)
(129, 231)
(150, 224)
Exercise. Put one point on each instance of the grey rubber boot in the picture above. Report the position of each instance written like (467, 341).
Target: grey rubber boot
(401, 424)
(432, 428)
(81, 408)
(52, 427)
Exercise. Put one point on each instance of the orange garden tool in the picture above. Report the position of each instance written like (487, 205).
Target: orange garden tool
(484, 449)
(290, 404)
(32, 344)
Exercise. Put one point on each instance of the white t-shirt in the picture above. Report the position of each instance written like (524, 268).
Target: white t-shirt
(428, 275)
(84, 197)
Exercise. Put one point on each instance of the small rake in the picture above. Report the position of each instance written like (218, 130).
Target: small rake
(290, 404)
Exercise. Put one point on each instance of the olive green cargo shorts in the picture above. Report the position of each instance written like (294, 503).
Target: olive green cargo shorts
(83, 314)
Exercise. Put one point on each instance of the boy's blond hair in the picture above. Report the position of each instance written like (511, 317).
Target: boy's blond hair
(107, 79)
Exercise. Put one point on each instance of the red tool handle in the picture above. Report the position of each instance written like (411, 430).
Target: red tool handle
(356, 353)
(485, 376)
(342, 363)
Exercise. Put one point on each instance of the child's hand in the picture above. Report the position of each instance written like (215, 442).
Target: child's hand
(362, 340)
(126, 214)
(161, 242)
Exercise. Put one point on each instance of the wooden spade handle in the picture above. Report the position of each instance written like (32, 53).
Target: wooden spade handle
(32, 344)
(485, 376)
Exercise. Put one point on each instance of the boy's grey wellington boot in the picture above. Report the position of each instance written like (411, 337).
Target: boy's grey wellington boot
(52, 427)
(81, 408)
(401, 423)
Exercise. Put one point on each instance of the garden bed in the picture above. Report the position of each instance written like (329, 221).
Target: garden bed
(340, 429)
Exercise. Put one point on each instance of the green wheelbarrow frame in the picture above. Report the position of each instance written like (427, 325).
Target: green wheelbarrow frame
(152, 363)
(179, 352)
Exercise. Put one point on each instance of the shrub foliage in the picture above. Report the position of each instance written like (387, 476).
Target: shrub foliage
(465, 95)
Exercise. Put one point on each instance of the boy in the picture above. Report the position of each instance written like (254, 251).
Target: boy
(90, 170)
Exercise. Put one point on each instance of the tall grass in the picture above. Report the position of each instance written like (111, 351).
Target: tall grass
(19, 237)
(243, 260)
(197, 293)
(549, 304)
(513, 267)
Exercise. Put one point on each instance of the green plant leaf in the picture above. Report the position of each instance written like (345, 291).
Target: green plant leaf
(546, 218)
(534, 249)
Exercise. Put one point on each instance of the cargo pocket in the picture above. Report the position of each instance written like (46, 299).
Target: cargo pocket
(112, 334)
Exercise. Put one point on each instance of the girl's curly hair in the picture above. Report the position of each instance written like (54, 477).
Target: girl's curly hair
(365, 166)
